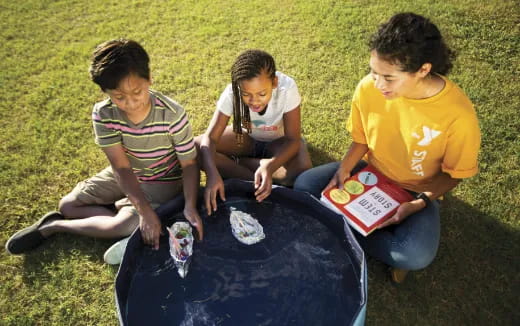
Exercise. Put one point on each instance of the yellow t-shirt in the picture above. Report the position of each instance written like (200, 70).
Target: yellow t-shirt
(410, 141)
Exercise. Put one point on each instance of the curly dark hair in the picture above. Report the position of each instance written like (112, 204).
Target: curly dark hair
(114, 60)
(249, 64)
(410, 40)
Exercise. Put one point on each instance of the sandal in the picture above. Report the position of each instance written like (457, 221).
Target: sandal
(398, 275)
(30, 237)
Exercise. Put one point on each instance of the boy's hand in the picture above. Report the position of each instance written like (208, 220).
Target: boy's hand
(193, 217)
(263, 182)
(150, 229)
(214, 186)
(403, 211)
(337, 179)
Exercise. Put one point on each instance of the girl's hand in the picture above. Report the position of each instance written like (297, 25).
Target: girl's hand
(337, 179)
(150, 227)
(263, 181)
(214, 186)
(193, 217)
(403, 211)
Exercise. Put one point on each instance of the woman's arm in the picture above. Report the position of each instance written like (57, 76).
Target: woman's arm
(439, 185)
(354, 154)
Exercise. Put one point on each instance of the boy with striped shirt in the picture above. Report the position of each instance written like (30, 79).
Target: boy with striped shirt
(148, 140)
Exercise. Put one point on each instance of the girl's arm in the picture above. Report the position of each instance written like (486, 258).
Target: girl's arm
(149, 222)
(208, 144)
(439, 185)
(291, 140)
(288, 149)
(354, 154)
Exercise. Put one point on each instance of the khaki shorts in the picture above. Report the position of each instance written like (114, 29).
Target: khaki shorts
(103, 189)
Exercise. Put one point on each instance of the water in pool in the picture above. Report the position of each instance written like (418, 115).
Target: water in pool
(300, 274)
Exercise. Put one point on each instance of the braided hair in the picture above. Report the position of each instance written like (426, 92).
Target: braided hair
(249, 64)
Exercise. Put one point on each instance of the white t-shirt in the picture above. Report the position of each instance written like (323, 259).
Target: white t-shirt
(269, 126)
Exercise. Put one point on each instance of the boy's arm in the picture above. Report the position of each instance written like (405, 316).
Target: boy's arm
(190, 183)
(354, 154)
(288, 149)
(149, 222)
(210, 138)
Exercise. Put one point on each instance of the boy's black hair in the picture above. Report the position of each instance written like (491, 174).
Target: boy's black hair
(249, 64)
(116, 59)
(410, 40)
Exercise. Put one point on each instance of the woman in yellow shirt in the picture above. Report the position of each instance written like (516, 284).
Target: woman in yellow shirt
(417, 128)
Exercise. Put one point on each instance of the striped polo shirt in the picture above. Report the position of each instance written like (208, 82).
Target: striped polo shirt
(155, 145)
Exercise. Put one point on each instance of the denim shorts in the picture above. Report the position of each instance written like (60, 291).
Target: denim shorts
(260, 149)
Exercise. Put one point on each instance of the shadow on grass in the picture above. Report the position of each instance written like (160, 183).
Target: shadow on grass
(474, 279)
(64, 282)
(319, 156)
(62, 250)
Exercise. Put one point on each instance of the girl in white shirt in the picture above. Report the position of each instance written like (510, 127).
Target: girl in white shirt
(264, 143)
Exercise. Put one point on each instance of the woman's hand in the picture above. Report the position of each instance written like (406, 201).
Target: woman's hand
(191, 214)
(214, 186)
(263, 180)
(150, 227)
(337, 180)
(403, 211)
(355, 153)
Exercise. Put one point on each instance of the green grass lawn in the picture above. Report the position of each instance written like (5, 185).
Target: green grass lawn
(47, 146)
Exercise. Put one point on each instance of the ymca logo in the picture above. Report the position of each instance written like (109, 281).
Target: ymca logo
(428, 136)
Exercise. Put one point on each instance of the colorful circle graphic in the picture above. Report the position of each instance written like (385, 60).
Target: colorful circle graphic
(367, 178)
(340, 196)
(354, 187)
